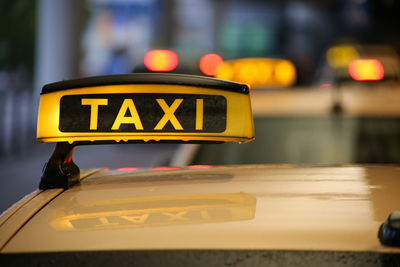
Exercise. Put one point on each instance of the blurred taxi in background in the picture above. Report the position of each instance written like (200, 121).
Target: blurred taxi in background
(258, 72)
(370, 65)
(360, 83)
(255, 72)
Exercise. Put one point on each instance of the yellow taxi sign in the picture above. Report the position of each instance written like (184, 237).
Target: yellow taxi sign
(145, 107)
(340, 56)
(258, 72)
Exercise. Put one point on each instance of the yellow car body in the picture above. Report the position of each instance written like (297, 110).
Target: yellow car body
(258, 207)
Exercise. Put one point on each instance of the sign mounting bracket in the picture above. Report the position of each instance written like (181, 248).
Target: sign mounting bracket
(60, 171)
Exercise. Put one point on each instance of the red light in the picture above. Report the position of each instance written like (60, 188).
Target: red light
(164, 168)
(106, 169)
(161, 60)
(199, 167)
(325, 85)
(209, 64)
(366, 70)
(127, 169)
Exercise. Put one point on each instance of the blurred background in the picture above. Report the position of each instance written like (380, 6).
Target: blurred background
(324, 76)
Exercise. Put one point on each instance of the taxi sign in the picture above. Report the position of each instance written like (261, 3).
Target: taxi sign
(258, 72)
(137, 108)
(340, 56)
(145, 107)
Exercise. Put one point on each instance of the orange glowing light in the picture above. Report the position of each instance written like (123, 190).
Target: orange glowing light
(161, 60)
(285, 73)
(164, 168)
(199, 167)
(209, 64)
(366, 70)
(258, 72)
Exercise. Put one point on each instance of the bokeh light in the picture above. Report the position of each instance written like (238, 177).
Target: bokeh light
(366, 70)
(341, 56)
(161, 60)
(285, 73)
(209, 64)
(258, 72)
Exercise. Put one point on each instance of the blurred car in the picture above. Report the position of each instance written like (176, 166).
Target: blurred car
(248, 215)
(366, 65)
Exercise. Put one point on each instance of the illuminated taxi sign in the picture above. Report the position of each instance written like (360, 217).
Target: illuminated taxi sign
(258, 72)
(137, 108)
(340, 56)
(145, 107)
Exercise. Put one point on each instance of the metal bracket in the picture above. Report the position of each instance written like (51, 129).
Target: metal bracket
(60, 171)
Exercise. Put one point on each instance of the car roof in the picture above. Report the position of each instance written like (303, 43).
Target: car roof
(273, 207)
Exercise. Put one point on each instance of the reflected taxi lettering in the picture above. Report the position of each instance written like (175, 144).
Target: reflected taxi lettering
(157, 211)
(143, 112)
(129, 218)
(161, 218)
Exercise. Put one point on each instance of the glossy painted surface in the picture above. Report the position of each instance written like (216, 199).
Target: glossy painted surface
(13, 224)
(13, 219)
(14, 208)
(249, 207)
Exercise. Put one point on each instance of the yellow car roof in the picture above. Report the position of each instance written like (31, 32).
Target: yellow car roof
(265, 207)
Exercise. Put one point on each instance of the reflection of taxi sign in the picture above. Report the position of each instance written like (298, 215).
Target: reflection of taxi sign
(258, 72)
(156, 211)
(141, 108)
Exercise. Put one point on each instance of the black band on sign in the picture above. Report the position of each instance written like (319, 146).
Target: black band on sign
(143, 113)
